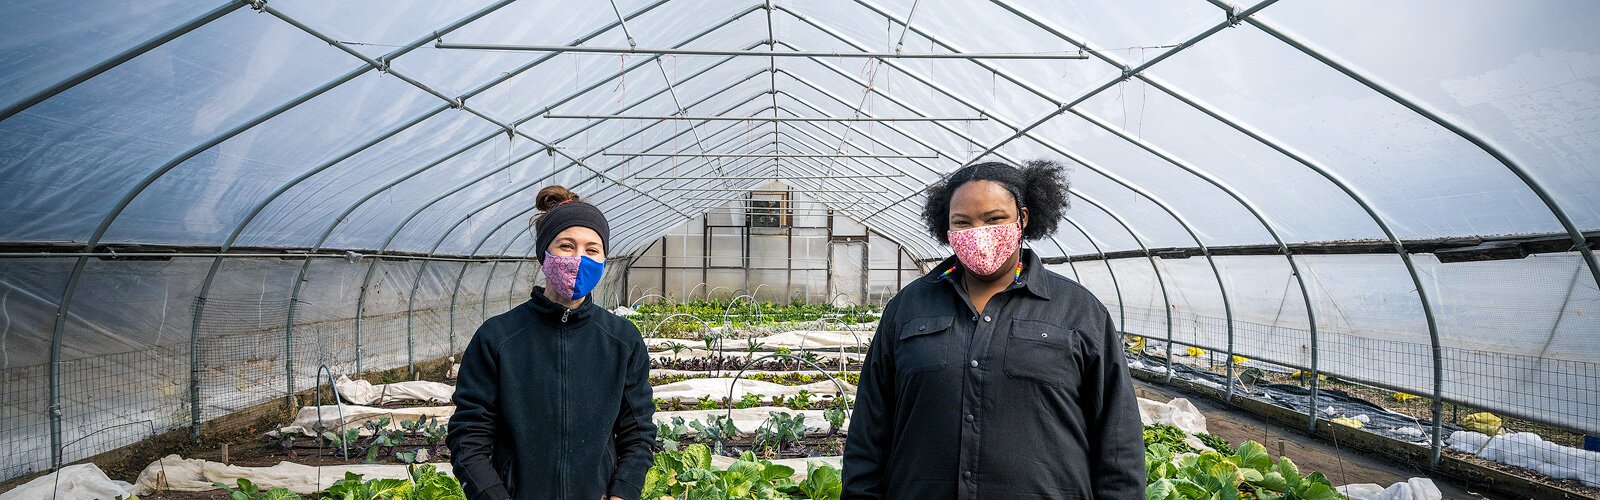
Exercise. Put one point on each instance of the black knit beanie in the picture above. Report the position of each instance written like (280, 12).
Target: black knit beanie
(569, 214)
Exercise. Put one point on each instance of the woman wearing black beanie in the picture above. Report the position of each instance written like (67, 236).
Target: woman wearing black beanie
(553, 399)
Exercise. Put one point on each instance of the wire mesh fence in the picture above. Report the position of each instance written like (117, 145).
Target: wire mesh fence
(1527, 411)
(244, 353)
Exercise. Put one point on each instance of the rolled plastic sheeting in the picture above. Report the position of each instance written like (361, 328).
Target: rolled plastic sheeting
(1529, 451)
(1416, 488)
(717, 388)
(193, 474)
(305, 422)
(76, 482)
(362, 392)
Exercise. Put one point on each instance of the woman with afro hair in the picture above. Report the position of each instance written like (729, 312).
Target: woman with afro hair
(993, 377)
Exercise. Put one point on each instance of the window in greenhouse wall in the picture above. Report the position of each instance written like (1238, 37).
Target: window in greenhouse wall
(769, 209)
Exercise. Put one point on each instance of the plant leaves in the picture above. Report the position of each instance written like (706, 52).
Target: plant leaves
(697, 456)
(1252, 455)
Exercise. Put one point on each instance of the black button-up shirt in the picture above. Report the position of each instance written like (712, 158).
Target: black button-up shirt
(1029, 399)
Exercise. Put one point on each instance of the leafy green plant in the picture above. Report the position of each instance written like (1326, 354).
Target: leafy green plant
(383, 438)
(749, 400)
(822, 482)
(434, 434)
(676, 348)
(809, 356)
(706, 403)
(423, 482)
(779, 430)
(1247, 473)
(1216, 443)
(246, 490)
(751, 346)
(716, 429)
(1167, 435)
(835, 417)
(671, 433)
(800, 401)
(690, 475)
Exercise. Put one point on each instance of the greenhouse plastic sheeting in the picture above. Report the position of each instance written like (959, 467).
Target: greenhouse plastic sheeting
(383, 186)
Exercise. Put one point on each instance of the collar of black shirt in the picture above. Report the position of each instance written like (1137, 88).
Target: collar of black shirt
(1030, 264)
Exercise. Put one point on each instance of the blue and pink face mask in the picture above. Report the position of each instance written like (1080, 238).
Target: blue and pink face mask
(572, 276)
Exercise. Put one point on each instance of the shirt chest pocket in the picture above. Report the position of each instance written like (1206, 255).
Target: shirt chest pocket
(923, 344)
(1041, 352)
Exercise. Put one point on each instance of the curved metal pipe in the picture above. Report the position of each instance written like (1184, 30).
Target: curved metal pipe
(843, 396)
(1166, 301)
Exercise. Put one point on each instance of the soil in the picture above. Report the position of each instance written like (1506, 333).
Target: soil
(1308, 452)
(808, 447)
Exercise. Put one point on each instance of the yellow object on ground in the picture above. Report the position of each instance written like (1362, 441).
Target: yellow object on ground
(1348, 422)
(1195, 352)
(1137, 346)
(1404, 397)
(1239, 360)
(1483, 422)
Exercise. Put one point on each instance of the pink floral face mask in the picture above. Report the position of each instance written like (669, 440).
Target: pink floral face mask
(984, 249)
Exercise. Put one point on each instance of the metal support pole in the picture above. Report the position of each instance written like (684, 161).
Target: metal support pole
(773, 118)
(770, 155)
(763, 53)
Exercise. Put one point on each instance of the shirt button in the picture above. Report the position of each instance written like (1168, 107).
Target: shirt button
(969, 418)
(967, 474)
(974, 319)
(974, 363)
(987, 319)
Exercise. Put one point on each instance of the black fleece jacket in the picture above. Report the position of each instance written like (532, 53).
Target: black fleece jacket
(553, 403)
(1029, 399)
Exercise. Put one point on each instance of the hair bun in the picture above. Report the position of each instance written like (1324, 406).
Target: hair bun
(552, 196)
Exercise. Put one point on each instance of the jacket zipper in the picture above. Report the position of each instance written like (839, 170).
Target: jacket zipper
(564, 314)
(563, 402)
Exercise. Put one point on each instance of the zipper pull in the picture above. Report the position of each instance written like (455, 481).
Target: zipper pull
(564, 314)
